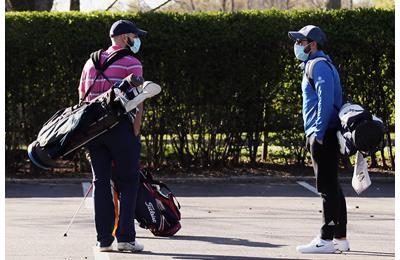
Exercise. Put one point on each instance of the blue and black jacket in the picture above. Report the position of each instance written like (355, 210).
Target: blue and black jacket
(322, 102)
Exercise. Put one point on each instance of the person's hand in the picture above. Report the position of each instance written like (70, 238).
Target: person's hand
(319, 141)
(138, 120)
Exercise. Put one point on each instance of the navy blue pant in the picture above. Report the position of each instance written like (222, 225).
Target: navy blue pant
(325, 160)
(121, 146)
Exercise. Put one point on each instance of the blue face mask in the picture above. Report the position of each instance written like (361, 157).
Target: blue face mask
(135, 46)
(299, 52)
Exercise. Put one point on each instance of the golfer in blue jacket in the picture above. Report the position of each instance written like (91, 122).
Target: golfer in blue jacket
(322, 99)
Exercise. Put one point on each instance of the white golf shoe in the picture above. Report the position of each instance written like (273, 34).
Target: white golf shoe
(134, 246)
(342, 245)
(104, 248)
(317, 246)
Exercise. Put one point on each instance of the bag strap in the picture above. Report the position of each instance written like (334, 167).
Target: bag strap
(116, 55)
(309, 71)
(101, 68)
(310, 67)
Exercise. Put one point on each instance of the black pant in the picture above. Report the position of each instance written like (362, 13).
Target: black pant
(325, 160)
(118, 145)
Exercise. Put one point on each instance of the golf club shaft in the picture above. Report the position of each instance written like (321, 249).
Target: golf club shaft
(76, 212)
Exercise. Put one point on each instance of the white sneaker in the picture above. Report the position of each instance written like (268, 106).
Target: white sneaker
(341, 244)
(134, 246)
(104, 248)
(317, 246)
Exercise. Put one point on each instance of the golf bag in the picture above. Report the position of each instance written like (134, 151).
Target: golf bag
(71, 128)
(157, 209)
(361, 131)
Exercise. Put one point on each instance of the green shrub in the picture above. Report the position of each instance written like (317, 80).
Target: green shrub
(226, 77)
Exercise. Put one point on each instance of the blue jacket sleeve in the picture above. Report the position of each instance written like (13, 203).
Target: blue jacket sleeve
(324, 86)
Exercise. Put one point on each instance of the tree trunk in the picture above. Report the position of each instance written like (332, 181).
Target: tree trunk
(43, 5)
(253, 142)
(374, 163)
(31, 5)
(390, 150)
(232, 5)
(9, 6)
(249, 4)
(192, 5)
(384, 164)
(333, 4)
(223, 5)
(264, 154)
(74, 5)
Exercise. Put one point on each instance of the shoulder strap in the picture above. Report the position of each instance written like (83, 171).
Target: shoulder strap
(116, 55)
(100, 68)
(309, 69)
(95, 57)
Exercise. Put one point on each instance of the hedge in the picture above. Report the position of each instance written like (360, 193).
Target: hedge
(228, 79)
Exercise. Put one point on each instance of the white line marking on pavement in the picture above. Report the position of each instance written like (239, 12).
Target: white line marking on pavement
(89, 199)
(100, 255)
(308, 187)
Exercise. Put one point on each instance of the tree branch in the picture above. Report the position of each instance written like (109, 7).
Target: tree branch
(111, 5)
(161, 5)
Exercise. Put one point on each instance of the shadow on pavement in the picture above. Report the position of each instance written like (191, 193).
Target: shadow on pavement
(370, 253)
(42, 190)
(220, 241)
(203, 256)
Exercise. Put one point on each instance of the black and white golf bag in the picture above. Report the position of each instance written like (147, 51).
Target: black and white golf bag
(361, 131)
(71, 128)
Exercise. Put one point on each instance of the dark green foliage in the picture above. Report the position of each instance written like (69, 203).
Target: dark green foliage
(226, 77)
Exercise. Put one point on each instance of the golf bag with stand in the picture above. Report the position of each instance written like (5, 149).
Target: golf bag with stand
(157, 209)
(71, 128)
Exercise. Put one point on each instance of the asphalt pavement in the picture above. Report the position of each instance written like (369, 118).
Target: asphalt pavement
(225, 219)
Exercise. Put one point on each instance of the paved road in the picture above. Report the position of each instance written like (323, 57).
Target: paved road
(223, 220)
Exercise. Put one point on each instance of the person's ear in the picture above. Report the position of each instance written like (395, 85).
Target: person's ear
(307, 49)
(314, 45)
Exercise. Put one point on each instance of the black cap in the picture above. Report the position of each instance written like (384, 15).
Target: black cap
(309, 32)
(125, 26)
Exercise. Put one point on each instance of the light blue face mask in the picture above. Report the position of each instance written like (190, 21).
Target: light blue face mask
(299, 52)
(135, 46)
